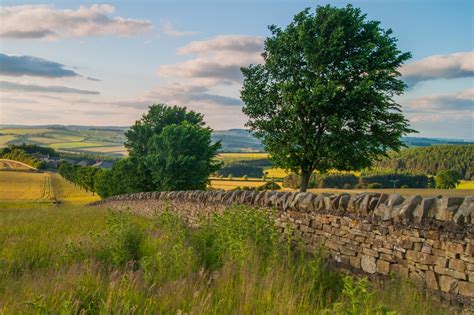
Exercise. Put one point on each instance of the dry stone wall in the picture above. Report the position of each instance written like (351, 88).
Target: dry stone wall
(427, 239)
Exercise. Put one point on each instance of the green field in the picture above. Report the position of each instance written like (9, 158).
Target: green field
(79, 140)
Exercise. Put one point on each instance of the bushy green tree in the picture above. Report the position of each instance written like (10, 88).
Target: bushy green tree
(323, 98)
(181, 157)
(447, 179)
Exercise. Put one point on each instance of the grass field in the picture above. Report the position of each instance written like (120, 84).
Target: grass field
(76, 260)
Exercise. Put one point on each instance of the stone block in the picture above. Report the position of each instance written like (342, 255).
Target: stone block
(448, 284)
(466, 288)
(457, 264)
(368, 264)
(431, 281)
(383, 267)
(355, 262)
(465, 213)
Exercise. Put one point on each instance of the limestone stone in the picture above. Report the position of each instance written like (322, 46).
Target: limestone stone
(466, 288)
(368, 264)
(383, 267)
(465, 213)
(445, 208)
(448, 284)
(421, 211)
(406, 211)
(457, 264)
(431, 281)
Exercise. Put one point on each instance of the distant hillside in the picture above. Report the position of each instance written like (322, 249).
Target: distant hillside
(237, 140)
(108, 140)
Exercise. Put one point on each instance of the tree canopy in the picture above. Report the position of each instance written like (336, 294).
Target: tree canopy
(447, 179)
(323, 98)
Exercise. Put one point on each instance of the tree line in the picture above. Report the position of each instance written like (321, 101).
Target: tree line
(374, 178)
(433, 159)
(26, 154)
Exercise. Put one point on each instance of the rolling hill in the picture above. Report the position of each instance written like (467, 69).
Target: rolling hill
(109, 140)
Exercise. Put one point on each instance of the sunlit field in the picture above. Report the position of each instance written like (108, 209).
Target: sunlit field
(10, 165)
(466, 185)
(40, 188)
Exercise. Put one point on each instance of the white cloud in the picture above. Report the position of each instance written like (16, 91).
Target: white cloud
(45, 21)
(218, 60)
(170, 30)
(457, 65)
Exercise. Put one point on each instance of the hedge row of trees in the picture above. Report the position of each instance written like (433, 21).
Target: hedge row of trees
(20, 155)
(241, 169)
(369, 179)
(431, 160)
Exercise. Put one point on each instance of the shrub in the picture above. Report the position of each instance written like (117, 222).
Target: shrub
(375, 186)
(347, 186)
(405, 187)
(121, 242)
(269, 186)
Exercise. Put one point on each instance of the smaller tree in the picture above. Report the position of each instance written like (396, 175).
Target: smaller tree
(447, 179)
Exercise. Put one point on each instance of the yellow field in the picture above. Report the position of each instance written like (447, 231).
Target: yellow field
(5, 138)
(276, 172)
(25, 186)
(40, 187)
(65, 191)
(10, 165)
(107, 149)
(24, 131)
(466, 184)
(232, 184)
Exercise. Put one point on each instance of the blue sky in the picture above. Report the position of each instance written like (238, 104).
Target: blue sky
(104, 64)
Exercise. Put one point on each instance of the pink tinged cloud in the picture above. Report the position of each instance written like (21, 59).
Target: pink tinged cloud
(451, 66)
(218, 60)
(48, 22)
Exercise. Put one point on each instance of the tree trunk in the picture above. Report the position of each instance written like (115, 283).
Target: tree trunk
(305, 175)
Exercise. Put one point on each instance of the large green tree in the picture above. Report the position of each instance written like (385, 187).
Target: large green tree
(170, 149)
(182, 157)
(323, 98)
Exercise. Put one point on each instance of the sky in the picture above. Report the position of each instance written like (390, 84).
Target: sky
(83, 63)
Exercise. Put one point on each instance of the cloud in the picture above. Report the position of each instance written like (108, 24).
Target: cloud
(463, 100)
(169, 30)
(20, 87)
(13, 65)
(233, 43)
(457, 65)
(218, 60)
(180, 94)
(441, 108)
(45, 21)
(93, 79)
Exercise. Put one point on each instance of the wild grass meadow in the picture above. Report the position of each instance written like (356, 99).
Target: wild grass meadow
(83, 260)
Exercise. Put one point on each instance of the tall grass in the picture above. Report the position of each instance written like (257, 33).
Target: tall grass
(89, 261)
